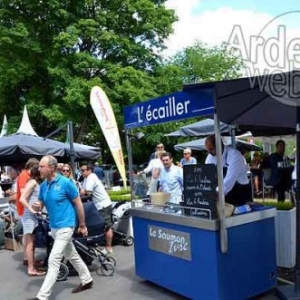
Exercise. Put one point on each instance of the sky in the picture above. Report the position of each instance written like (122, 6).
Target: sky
(264, 33)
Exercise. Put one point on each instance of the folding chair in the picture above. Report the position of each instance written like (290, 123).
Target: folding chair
(266, 186)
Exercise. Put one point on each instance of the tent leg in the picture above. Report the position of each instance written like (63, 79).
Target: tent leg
(71, 140)
(130, 164)
(223, 230)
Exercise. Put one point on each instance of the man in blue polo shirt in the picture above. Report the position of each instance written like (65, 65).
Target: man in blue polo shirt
(60, 196)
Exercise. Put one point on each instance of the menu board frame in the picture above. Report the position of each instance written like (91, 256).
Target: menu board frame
(199, 194)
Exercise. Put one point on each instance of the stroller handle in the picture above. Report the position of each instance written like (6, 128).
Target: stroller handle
(39, 216)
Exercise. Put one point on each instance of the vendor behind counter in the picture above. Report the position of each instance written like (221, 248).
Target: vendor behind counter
(237, 188)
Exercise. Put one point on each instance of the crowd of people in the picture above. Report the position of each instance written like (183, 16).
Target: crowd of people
(275, 170)
(47, 183)
(167, 176)
(52, 186)
(239, 187)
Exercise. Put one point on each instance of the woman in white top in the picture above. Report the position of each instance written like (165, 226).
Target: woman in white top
(29, 221)
(155, 165)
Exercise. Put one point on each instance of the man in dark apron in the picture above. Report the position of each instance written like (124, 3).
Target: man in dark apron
(237, 188)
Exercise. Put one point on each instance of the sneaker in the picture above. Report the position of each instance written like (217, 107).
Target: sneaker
(106, 251)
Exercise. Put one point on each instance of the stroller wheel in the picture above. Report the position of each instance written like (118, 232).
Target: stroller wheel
(111, 260)
(128, 241)
(107, 269)
(63, 272)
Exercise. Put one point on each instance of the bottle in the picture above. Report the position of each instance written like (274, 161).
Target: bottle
(241, 209)
(284, 162)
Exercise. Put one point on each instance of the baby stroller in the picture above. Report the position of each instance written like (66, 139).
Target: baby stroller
(87, 247)
(121, 218)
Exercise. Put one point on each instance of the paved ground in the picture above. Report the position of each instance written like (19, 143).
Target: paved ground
(16, 285)
(124, 285)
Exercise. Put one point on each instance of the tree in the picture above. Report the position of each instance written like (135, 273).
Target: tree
(53, 52)
(200, 63)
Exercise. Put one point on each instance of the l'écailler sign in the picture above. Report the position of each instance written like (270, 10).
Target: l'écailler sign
(176, 106)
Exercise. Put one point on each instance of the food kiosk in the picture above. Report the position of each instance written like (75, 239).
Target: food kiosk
(200, 253)
(183, 253)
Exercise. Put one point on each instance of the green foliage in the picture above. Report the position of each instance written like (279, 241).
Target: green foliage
(123, 191)
(201, 63)
(121, 195)
(53, 52)
(280, 205)
(118, 198)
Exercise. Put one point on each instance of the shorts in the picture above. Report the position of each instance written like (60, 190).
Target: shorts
(106, 213)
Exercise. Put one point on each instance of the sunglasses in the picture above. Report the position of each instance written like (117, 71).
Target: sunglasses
(186, 153)
(66, 170)
(83, 170)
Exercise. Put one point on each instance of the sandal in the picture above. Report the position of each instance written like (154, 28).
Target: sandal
(37, 273)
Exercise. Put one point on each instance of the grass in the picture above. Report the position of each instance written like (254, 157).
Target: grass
(287, 205)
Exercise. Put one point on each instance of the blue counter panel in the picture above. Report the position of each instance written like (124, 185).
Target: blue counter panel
(247, 269)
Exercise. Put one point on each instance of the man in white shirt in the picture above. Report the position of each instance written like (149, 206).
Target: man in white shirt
(92, 186)
(237, 188)
(171, 178)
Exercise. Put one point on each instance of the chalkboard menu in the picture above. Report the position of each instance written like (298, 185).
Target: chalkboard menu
(200, 182)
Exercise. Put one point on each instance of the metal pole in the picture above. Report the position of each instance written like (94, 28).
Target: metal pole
(223, 230)
(55, 131)
(232, 134)
(297, 192)
(130, 163)
(71, 140)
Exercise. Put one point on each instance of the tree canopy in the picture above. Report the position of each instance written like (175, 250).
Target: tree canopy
(53, 52)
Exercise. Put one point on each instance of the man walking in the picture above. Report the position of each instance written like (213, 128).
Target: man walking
(94, 187)
(60, 196)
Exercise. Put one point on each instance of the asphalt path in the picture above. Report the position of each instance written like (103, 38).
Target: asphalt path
(16, 285)
(123, 285)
